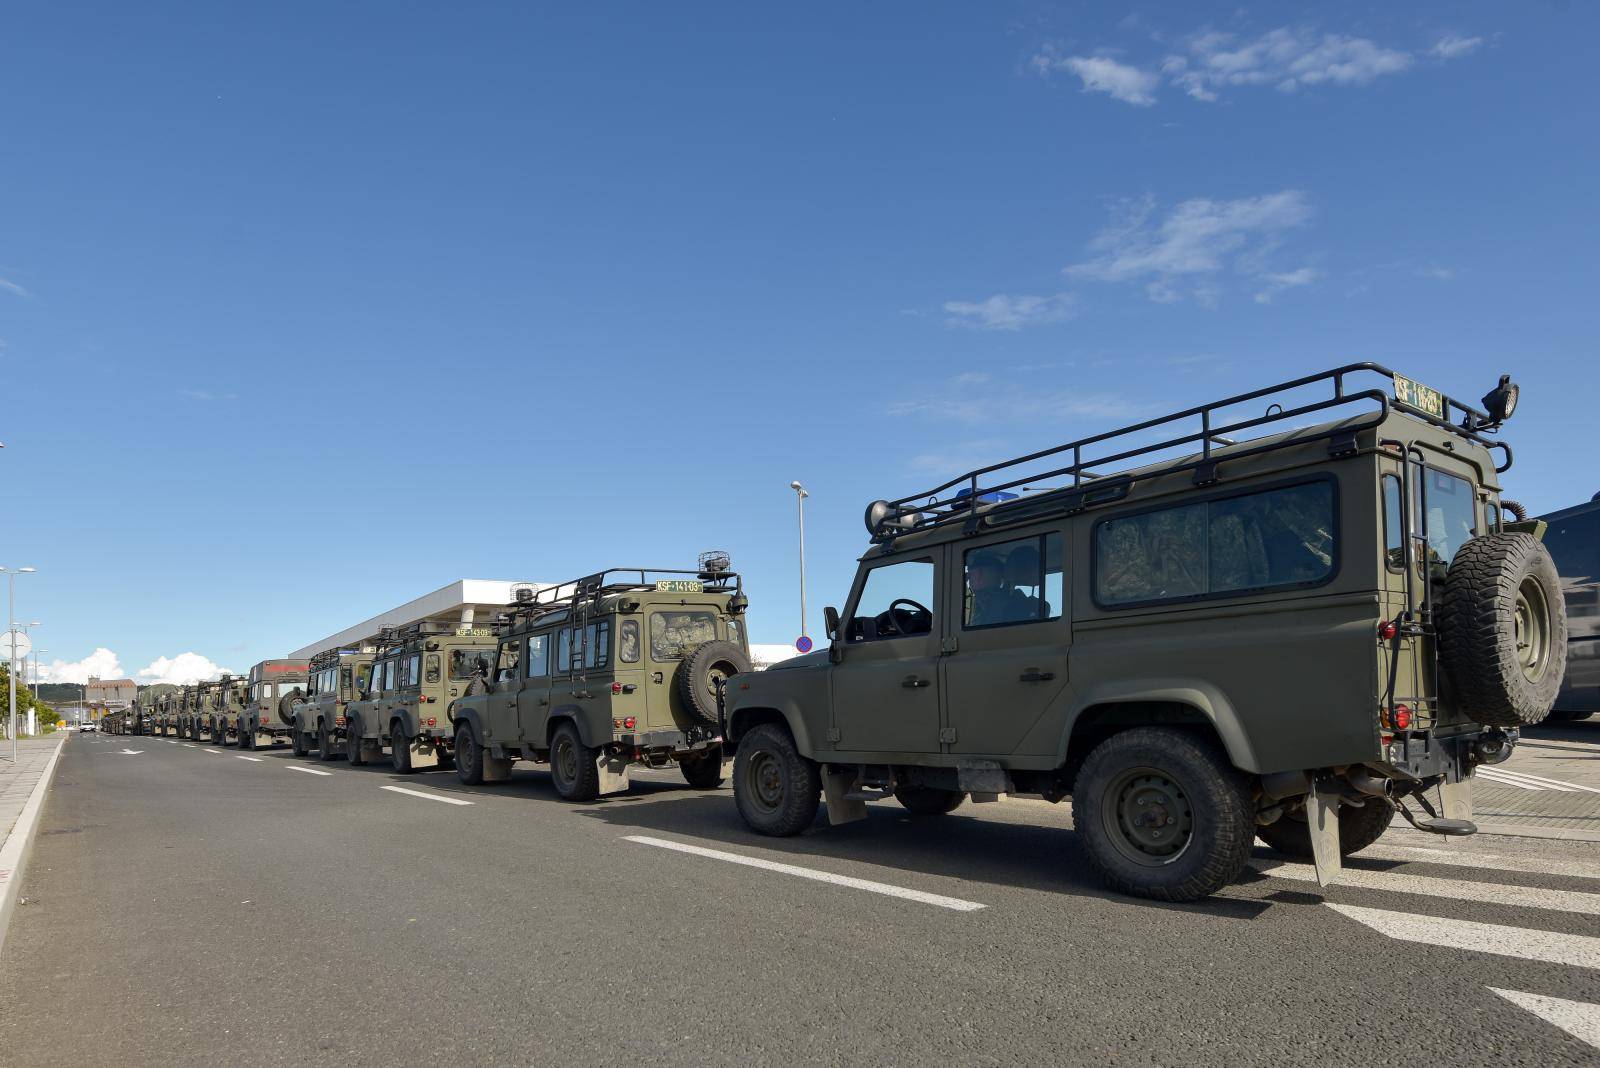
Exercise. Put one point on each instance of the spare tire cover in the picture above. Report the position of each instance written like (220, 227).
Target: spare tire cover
(700, 671)
(1503, 630)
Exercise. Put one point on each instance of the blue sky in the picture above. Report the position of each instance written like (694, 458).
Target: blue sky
(309, 308)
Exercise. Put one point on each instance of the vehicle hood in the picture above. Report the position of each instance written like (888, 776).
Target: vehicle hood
(811, 659)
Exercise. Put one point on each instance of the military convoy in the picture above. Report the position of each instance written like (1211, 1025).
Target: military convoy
(1292, 614)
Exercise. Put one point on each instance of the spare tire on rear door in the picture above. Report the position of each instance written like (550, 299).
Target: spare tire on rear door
(702, 669)
(286, 705)
(1503, 629)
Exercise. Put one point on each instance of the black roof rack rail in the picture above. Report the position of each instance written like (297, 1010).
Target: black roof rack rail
(715, 575)
(959, 499)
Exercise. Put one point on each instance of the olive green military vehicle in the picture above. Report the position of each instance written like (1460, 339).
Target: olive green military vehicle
(1225, 623)
(619, 669)
(416, 672)
(187, 713)
(270, 691)
(165, 713)
(231, 697)
(317, 716)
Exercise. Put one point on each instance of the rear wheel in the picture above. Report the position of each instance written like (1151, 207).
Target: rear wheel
(572, 765)
(298, 743)
(703, 771)
(247, 739)
(399, 749)
(1358, 828)
(928, 800)
(1163, 814)
(776, 789)
(325, 749)
(469, 757)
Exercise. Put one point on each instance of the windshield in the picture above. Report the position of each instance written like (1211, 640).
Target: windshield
(671, 633)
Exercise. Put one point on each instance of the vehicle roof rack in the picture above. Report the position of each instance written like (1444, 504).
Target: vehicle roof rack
(329, 657)
(715, 573)
(1001, 485)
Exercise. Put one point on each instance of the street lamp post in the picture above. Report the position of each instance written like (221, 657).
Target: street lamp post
(11, 636)
(800, 496)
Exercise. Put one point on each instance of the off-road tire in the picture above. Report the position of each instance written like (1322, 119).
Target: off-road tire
(399, 752)
(286, 705)
(298, 744)
(928, 800)
(703, 771)
(247, 740)
(777, 790)
(1358, 828)
(325, 751)
(1189, 777)
(1503, 630)
(573, 771)
(697, 674)
(469, 757)
(354, 744)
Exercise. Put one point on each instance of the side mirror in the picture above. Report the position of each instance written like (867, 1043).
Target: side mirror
(830, 621)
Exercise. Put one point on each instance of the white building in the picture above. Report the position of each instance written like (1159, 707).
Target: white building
(463, 602)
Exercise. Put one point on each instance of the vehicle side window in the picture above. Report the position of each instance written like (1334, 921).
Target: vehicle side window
(510, 655)
(1277, 537)
(597, 645)
(432, 668)
(736, 632)
(628, 642)
(363, 676)
(1013, 582)
(896, 602)
(1394, 542)
(563, 650)
(388, 676)
(538, 655)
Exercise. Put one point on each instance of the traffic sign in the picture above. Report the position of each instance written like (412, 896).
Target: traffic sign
(24, 645)
(803, 644)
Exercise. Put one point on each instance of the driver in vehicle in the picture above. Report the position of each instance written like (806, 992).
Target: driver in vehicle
(990, 600)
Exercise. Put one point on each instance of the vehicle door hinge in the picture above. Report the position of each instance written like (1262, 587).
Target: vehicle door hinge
(833, 734)
(948, 646)
(947, 736)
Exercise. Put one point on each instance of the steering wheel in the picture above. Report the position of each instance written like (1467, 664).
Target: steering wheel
(901, 619)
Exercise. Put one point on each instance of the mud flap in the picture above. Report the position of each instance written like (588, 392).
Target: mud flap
(613, 774)
(423, 757)
(496, 769)
(1455, 800)
(1322, 816)
(841, 809)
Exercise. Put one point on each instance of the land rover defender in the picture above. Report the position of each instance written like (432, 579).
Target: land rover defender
(416, 672)
(261, 720)
(619, 669)
(1291, 613)
(317, 717)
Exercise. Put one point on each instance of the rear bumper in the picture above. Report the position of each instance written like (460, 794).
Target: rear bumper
(1427, 757)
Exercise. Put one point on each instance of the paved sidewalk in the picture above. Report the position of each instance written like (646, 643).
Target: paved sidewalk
(1551, 784)
(18, 780)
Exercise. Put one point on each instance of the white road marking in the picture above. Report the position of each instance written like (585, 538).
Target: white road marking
(1454, 889)
(430, 797)
(1501, 779)
(133, 752)
(940, 900)
(213, 752)
(1490, 861)
(256, 759)
(1554, 784)
(1582, 951)
(190, 745)
(1577, 1018)
(1534, 782)
(308, 771)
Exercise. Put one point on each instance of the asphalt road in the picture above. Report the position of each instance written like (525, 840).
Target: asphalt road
(193, 906)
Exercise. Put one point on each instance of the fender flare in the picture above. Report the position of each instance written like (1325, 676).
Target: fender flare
(587, 734)
(470, 716)
(786, 709)
(1201, 696)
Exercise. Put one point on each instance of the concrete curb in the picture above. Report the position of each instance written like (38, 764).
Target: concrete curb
(14, 852)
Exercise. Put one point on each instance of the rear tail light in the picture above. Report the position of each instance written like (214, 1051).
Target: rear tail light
(1387, 630)
(616, 687)
(1402, 718)
(432, 721)
(629, 722)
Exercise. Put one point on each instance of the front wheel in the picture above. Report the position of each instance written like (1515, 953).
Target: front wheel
(353, 743)
(1163, 814)
(399, 750)
(325, 743)
(776, 789)
(469, 757)
(1358, 828)
(573, 770)
(298, 743)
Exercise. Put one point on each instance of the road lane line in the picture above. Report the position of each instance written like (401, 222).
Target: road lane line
(190, 745)
(1551, 947)
(430, 797)
(1577, 1018)
(1453, 889)
(308, 771)
(1554, 784)
(213, 752)
(1505, 778)
(255, 759)
(886, 889)
(1488, 861)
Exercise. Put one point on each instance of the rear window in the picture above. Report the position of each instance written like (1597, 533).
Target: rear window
(1452, 513)
(672, 633)
(1222, 547)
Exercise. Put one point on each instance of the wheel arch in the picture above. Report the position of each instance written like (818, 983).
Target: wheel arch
(1198, 706)
(742, 720)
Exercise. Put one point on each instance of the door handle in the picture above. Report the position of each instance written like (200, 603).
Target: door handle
(1037, 676)
(911, 682)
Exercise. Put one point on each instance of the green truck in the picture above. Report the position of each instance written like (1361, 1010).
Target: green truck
(1292, 614)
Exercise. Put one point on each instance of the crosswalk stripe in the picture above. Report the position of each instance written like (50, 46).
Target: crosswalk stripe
(1454, 889)
(1551, 947)
(1554, 784)
(1577, 1018)
(1487, 861)
(1501, 779)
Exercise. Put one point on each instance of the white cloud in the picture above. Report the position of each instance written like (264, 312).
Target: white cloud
(1437, 273)
(1277, 282)
(102, 664)
(1003, 404)
(180, 670)
(11, 287)
(1182, 253)
(1451, 46)
(1006, 312)
(1286, 59)
(1101, 74)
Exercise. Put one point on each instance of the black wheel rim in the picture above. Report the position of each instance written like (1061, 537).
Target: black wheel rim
(564, 761)
(719, 672)
(764, 780)
(1146, 814)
